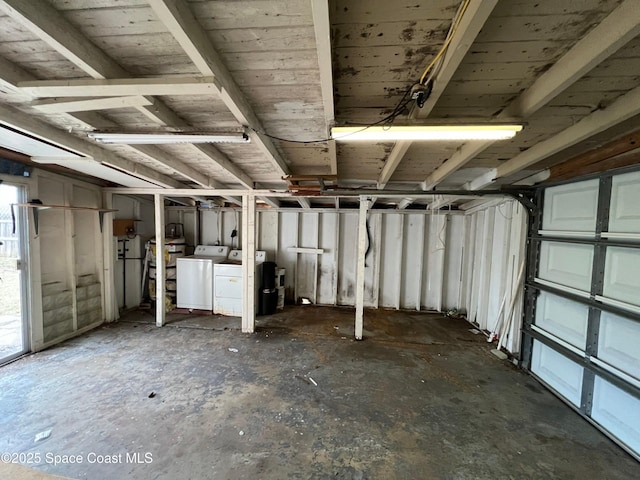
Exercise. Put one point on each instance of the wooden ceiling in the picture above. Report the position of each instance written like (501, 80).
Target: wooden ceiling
(290, 69)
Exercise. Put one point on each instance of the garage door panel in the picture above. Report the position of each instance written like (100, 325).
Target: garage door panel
(624, 216)
(563, 318)
(621, 275)
(619, 343)
(571, 207)
(617, 411)
(567, 264)
(560, 373)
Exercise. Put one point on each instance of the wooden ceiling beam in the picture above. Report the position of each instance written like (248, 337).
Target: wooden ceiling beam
(109, 77)
(622, 109)
(616, 30)
(304, 202)
(622, 152)
(56, 105)
(322, 29)
(472, 21)
(120, 87)
(27, 123)
(179, 20)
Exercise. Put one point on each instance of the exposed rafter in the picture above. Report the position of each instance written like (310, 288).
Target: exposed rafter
(37, 128)
(304, 202)
(322, 29)
(272, 202)
(443, 201)
(611, 34)
(179, 20)
(56, 105)
(47, 23)
(120, 87)
(89, 120)
(471, 23)
(622, 109)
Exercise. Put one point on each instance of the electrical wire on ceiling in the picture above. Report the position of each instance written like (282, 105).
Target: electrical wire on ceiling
(440, 55)
(386, 121)
(419, 95)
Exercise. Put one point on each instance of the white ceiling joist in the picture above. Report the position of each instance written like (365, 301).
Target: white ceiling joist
(47, 23)
(44, 21)
(304, 202)
(181, 23)
(322, 29)
(444, 201)
(28, 124)
(272, 202)
(120, 87)
(615, 31)
(404, 203)
(622, 109)
(97, 152)
(55, 105)
(610, 35)
(471, 23)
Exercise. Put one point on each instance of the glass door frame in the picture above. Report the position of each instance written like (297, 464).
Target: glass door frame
(23, 264)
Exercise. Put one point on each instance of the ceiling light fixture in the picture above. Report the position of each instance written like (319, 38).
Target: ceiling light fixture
(167, 138)
(426, 132)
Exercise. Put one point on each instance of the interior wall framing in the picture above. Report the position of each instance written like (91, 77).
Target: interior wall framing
(416, 259)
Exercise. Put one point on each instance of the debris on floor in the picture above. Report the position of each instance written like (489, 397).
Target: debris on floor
(152, 394)
(43, 435)
(233, 350)
(500, 354)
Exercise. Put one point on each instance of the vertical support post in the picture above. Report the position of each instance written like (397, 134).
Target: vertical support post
(110, 302)
(161, 311)
(248, 263)
(362, 248)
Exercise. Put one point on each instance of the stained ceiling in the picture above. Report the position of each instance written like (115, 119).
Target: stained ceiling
(285, 71)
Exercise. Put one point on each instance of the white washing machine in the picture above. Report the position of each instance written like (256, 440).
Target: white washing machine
(194, 277)
(227, 283)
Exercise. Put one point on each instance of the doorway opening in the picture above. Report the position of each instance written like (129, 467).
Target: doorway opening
(13, 326)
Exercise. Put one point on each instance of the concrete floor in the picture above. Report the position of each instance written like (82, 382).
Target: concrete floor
(421, 397)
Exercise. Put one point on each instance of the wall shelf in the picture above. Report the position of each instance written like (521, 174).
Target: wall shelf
(37, 207)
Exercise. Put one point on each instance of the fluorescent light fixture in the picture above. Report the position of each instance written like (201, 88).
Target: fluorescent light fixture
(167, 138)
(426, 132)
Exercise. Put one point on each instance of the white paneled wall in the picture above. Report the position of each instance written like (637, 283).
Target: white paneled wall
(417, 260)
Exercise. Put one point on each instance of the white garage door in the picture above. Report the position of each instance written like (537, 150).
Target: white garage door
(582, 327)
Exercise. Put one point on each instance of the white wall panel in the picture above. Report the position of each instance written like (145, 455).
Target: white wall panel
(347, 258)
(327, 262)
(372, 261)
(391, 260)
(619, 343)
(624, 214)
(307, 271)
(436, 244)
(411, 272)
(501, 263)
(267, 222)
(287, 238)
(218, 225)
(563, 318)
(571, 207)
(567, 264)
(418, 259)
(622, 275)
(453, 263)
(562, 374)
(618, 412)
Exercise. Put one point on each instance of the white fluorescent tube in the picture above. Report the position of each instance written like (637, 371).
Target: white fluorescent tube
(166, 138)
(426, 132)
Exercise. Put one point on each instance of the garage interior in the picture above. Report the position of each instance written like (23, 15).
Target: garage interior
(206, 274)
